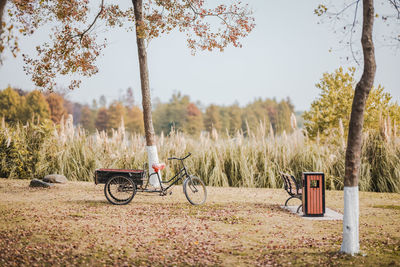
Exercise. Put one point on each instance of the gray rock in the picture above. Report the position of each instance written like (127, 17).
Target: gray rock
(39, 183)
(55, 178)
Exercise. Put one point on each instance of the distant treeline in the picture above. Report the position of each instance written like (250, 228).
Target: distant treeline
(179, 113)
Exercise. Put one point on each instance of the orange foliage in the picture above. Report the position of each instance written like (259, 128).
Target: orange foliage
(73, 47)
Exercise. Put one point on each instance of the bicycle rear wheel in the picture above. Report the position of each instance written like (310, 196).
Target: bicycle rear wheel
(120, 190)
(195, 190)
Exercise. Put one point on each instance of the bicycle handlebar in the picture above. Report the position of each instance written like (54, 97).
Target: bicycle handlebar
(188, 155)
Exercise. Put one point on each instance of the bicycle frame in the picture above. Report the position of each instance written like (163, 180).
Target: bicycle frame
(179, 176)
(120, 185)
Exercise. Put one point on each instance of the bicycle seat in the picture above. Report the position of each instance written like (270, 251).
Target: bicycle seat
(158, 166)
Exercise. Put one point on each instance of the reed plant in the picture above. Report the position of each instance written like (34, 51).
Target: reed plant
(254, 159)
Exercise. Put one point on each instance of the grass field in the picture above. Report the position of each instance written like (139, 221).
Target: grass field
(73, 224)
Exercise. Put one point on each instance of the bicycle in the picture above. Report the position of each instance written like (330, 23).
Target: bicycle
(122, 185)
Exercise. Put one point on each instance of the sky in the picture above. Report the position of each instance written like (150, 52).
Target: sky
(284, 56)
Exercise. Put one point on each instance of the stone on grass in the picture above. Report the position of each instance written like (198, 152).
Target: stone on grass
(55, 178)
(39, 183)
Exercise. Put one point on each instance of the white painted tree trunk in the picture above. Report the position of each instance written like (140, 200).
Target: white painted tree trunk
(350, 243)
(153, 158)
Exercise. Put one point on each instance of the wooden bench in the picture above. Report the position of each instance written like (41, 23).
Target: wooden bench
(292, 187)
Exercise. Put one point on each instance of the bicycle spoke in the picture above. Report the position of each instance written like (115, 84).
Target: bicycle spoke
(120, 189)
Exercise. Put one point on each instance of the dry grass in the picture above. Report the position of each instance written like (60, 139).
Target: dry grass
(73, 224)
(252, 160)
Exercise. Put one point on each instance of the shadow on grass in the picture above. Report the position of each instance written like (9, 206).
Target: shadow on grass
(304, 257)
(90, 203)
(390, 207)
(179, 207)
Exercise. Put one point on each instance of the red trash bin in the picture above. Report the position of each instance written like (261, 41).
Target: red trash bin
(313, 194)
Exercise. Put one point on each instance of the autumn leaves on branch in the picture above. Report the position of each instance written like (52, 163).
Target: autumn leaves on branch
(74, 45)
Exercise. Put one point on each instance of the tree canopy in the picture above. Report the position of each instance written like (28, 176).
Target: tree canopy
(333, 107)
(16, 107)
(73, 46)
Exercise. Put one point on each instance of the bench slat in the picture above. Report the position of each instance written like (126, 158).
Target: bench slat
(292, 187)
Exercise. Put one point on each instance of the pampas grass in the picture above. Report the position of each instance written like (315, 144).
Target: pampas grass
(251, 160)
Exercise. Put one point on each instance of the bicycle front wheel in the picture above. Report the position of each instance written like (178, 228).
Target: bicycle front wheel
(120, 190)
(195, 190)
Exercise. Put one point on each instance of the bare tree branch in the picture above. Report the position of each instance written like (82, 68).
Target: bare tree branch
(396, 5)
(344, 9)
(197, 13)
(81, 35)
(2, 5)
(351, 33)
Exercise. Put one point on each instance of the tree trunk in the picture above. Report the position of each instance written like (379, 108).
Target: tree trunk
(2, 5)
(350, 243)
(145, 86)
